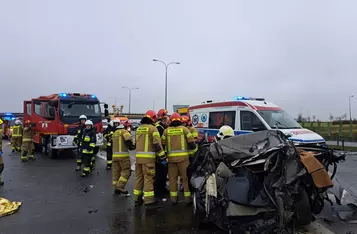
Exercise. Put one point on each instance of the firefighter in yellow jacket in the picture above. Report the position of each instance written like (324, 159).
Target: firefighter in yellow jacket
(1, 152)
(178, 140)
(16, 136)
(27, 147)
(148, 147)
(122, 143)
(187, 123)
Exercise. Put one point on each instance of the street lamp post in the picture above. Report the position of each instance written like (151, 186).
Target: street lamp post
(126, 87)
(349, 104)
(166, 66)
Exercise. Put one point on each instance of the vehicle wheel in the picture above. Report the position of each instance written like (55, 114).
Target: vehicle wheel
(96, 150)
(53, 153)
(200, 218)
(38, 147)
(302, 209)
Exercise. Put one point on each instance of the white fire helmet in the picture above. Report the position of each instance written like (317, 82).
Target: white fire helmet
(225, 131)
(18, 122)
(83, 117)
(111, 123)
(116, 121)
(88, 122)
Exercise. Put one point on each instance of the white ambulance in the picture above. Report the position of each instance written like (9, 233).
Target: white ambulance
(246, 115)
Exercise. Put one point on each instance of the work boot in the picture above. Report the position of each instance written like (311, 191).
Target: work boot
(84, 174)
(13, 151)
(24, 159)
(139, 202)
(153, 205)
(1, 182)
(174, 203)
(78, 168)
(121, 191)
(109, 167)
(32, 158)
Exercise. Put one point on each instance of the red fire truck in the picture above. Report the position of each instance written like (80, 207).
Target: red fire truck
(54, 119)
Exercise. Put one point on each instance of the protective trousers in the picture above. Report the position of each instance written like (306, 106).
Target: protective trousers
(144, 179)
(175, 170)
(16, 144)
(79, 158)
(109, 156)
(31, 151)
(1, 167)
(121, 173)
(86, 160)
(26, 148)
(160, 179)
(92, 162)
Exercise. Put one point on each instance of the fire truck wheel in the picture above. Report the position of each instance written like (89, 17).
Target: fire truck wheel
(96, 150)
(53, 153)
(38, 147)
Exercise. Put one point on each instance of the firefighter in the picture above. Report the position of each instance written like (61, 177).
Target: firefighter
(187, 123)
(76, 140)
(1, 153)
(224, 132)
(178, 140)
(108, 132)
(27, 148)
(161, 169)
(148, 146)
(87, 145)
(16, 136)
(122, 143)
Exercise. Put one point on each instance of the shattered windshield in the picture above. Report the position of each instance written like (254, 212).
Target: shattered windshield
(75, 109)
(279, 118)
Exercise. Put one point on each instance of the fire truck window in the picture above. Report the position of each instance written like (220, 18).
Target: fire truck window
(218, 119)
(44, 109)
(28, 108)
(249, 121)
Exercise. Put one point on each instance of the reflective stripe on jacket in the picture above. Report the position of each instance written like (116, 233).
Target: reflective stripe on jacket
(88, 141)
(120, 148)
(27, 134)
(17, 131)
(175, 139)
(148, 144)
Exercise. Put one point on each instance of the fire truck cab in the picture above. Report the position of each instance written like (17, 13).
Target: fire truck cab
(247, 115)
(55, 120)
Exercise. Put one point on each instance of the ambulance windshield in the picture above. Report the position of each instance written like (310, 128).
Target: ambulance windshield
(280, 119)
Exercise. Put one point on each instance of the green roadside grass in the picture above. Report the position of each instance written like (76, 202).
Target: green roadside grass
(347, 148)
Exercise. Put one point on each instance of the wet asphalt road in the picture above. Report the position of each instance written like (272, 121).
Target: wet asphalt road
(57, 200)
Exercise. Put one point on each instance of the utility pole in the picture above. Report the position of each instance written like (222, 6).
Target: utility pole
(126, 87)
(166, 66)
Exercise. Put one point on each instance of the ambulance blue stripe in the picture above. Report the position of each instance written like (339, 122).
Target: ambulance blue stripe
(213, 132)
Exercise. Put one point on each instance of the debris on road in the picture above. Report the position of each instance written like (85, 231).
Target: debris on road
(7, 207)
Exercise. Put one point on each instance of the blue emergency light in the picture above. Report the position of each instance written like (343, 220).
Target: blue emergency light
(240, 98)
(93, 96)
(8, 114)
(63, 94)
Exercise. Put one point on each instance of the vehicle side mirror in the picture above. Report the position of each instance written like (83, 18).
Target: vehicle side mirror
(257, 129)
(106, 106)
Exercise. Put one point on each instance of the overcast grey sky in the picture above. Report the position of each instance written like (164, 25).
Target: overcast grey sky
(300, 54)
